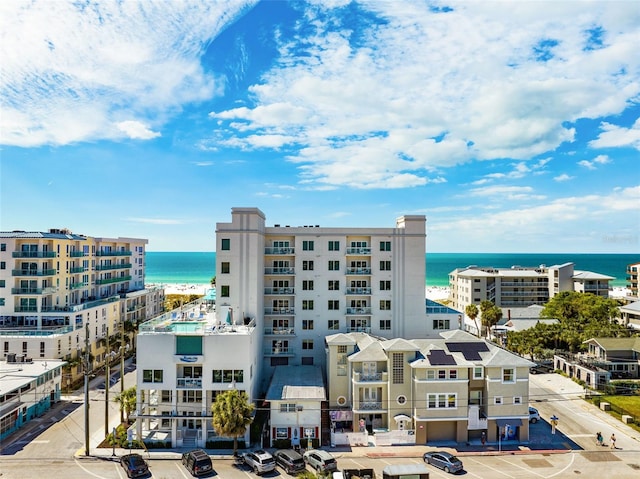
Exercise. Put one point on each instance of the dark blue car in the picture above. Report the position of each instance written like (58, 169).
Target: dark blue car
(134, 465)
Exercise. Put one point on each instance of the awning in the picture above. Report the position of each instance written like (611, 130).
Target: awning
(509, 422)
(401, 417)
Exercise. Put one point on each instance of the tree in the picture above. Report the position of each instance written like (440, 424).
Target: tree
(490, 317)
(213, 281)
(127, 401)
(232, 414)
(472, 311)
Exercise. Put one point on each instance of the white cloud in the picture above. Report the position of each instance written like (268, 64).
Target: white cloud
(137, 130)
(616, 136)
(563, 177)
(593, 164)
(73, 71)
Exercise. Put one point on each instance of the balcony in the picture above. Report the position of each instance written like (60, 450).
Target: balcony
(33, 272)
(476, 418)
(528, 284)
(79, 269)
(107, 267)
(113, 253)
(367, 406)
(34, 254)
(279, 311)
(278, 351)
(358, 290)
(26, 309)
(279, 332)
(279, 291)
(269, 250)
(359, 251)
(358, 270)
(55, 309)
(358, 310)
(359, 329)
(78, 285)
(78, 254)
(382, 377)
(118, 279)
(282, 270)
(189, 383)
(49, 290)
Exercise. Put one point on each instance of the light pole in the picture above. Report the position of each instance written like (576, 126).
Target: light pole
(107, 383)
(122, 351)
(86, 390)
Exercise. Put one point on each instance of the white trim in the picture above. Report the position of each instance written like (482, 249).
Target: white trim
(495, 400)
(401, 396)
(341, 400)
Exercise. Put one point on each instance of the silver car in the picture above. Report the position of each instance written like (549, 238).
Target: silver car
(260, 461)
(443, 460)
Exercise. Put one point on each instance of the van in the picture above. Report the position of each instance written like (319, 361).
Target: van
(320, 460)
(197, 462)
(289, 460)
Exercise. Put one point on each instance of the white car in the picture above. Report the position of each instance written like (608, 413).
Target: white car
(534, 415)
(260, 461)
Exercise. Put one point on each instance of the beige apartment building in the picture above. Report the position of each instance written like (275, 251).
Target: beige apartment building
(54, 284)
(520, 287)
(452, 388)
(302, 283)
(632, 278)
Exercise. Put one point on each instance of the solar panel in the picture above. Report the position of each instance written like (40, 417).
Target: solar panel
(470, 350)
(438, 357)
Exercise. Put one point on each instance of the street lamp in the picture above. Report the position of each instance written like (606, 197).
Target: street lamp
(86, 390)
(107, 383)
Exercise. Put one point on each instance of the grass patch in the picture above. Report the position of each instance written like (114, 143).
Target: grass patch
(622, 405)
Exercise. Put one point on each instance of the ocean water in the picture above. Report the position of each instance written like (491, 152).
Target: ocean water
(199, 268)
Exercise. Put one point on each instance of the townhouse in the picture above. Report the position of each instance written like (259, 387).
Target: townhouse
(450, 388)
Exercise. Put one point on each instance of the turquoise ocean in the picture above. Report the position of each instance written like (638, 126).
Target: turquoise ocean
(199, 268)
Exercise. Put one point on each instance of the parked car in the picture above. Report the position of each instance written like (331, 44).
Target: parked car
(534, 415)
(260, 461)
(443, 460)
(134, 465)
(541, 368)
(197, 462)
(320, 460)
(289, 460)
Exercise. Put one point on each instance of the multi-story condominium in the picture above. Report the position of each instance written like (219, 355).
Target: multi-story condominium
(186, 358)
(28, 388)
(449, 389)
(303, 283)
(519, 287)
(53, 284)
(632, 278)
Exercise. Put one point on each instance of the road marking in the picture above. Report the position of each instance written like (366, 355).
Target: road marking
(181, 469)
(492, 468)
(573, 457)
(88, 471)
(520, 467)
(358, 464)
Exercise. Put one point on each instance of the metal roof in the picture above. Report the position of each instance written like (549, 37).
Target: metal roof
(296, 382)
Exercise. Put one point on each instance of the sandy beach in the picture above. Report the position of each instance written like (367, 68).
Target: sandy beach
(185, 288)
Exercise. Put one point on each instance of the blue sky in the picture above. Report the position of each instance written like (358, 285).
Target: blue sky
(513, 126)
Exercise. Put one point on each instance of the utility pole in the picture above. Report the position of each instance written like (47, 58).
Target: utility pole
(122, 351)
(107, 383)
(86, 389)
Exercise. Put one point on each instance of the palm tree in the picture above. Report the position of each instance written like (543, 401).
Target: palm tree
(472, 311)
(232, 414)
(127, 400)
(490, 317)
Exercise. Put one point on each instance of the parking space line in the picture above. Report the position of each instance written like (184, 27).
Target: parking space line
(573, 457)
(181, 469)
(358, 464)
(492, 468)
(523, 468)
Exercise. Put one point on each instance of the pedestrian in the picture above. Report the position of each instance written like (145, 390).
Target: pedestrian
(613, 441)
(483, 438)
(599, 438)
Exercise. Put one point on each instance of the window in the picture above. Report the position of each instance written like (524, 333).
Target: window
(385, 305)
(342, 349)
(385, 245)
(42, 349)
(152, 376)
(307, 360)
(333, 285)
(385, 285)
(333, 324)
(3, 265)
(307, 344)
(442, 374)
(224, 291)
(442, 401)
(398, 368)
(287, 407)
(224, 267)
(385, 265)
(307, 324)
(441, 324)
(24, 347)
(334, 265)
(282, 432)
(307, 265)
(385, 325)
(228, 376)
(431, 374)
(401, 400)
(225, 244)
(334, 245)
(3, 246)
(478, 373)
(194, 395)
(333, 305)
(167, 396)
(517, 400)
(307, 304)
(307, 285)
(307, 245)
(497, 400)
(508, 375)
(453, 374)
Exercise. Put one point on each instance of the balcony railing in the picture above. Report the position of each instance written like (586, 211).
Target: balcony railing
(36, 332)
(358, 270)
(79, 269)
(189, 383)
(276, 351)
(270, 250)
(113, 253)
(106, 267)
(78, 285)
(368, 406)
(279, 291)
(594, 287)
(118, 279)
(78, 254)
(370, 377)
(361, 250)
(26, 309)
(283, 270)
(34, 254)
(279, 331)
(277, 311)
(358, 310)
(48, 290)
(359, 329)
(476, 418)
(33, 272)
(528, 283)
(358, 290)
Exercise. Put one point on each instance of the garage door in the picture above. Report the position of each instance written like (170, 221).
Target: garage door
(441, 431)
